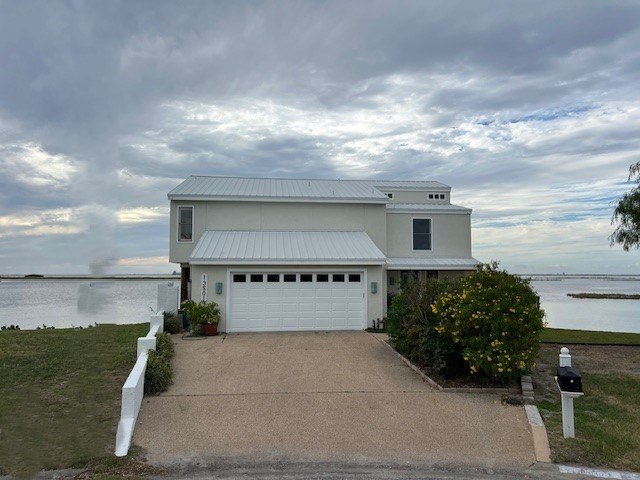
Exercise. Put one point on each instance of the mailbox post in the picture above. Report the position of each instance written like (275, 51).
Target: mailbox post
(569, 383)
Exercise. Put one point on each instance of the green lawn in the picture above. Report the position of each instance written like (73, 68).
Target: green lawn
(60, 394)
(607, 417)
(607, 424)
(557, 335)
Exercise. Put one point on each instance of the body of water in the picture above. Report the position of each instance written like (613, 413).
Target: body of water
(71, 303)
(67, 303)
(587, 313)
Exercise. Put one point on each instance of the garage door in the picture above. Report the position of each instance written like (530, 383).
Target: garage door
(276, 301)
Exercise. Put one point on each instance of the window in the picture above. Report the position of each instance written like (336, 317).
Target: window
(185, 224)
(239, 278)
(322, 277)
(273, 277)
(390, 195)
(431, 196)
(442, 196)
(289, 277)
(306, 277)
(338, 277)
(421, 232)
(354, 277)
(256, 277)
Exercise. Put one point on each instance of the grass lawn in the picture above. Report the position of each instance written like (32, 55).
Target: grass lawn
(557, 335)
(60, 395)
(608, 416)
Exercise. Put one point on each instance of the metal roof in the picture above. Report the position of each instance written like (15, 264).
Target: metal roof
(285, 189)
(467, 263)
(281, 248)
(426, 207)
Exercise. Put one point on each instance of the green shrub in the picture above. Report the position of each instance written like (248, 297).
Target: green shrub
(159, 373)
(172, 323)
(411, 326)
(495, 320)
(199, 313)
(164, 346)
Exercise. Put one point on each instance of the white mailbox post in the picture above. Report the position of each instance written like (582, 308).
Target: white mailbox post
(567, 396)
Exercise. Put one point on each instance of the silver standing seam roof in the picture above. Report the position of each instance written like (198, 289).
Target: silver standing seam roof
(435, 207)
(466, 263)
(281, 248)
(285, 189)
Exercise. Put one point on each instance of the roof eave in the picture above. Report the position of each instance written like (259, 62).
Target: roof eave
(291, 262)
(211, 198)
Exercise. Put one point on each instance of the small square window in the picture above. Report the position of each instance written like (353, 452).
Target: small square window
(338, 277)
(442, 196)
(354, 277)
(256, 277)
(273, 277)
(322, 277)
(239, 278)
(431, 196)
(289, 277)
(390, 195)
(306, 277)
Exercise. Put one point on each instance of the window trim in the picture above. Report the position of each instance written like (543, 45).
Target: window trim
(193, 223)
(430, 232)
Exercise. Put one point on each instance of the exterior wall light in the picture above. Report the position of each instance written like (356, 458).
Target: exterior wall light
(374, 287)
(218, 288)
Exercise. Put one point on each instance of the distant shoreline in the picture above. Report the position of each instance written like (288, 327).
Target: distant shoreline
(91, 277)
(612, 296)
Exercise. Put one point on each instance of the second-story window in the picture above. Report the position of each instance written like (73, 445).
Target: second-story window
(421, 233)
(390, 195)
(185, 224)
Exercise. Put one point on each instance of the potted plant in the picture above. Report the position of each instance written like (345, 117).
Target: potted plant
(203, 317)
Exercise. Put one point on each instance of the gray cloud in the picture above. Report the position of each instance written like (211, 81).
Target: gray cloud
(104, 106)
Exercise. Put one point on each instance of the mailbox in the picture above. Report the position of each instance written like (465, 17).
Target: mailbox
(569, 380)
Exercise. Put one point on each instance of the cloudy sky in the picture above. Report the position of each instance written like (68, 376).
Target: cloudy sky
(531, 111)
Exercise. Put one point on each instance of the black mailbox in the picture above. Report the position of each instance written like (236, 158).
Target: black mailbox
(569, 379)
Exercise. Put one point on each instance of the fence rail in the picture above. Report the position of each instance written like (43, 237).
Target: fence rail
(133, 388)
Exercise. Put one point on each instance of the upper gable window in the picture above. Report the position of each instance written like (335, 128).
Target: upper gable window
(390, 195)
(437, 196)
(421, 233)
(185, 224)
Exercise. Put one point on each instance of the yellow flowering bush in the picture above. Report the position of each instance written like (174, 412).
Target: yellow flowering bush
(495, 319)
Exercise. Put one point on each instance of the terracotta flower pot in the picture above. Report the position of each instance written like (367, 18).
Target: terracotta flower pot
(211, 329)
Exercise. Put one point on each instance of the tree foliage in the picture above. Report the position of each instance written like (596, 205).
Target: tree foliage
(627, 215)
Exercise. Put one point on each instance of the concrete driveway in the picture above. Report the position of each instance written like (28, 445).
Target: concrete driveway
(321, 397)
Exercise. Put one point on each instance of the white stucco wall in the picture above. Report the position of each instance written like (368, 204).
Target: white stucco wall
(451, 235)
(376, 303)
(278, 216)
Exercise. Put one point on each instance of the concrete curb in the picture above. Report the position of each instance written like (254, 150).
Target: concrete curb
(539, 434)
(437, 386)
(409, 364)
(599, 473)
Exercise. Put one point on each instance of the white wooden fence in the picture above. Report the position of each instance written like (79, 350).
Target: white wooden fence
(133, 388)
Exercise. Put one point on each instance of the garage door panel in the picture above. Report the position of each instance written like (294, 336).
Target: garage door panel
(299, 305)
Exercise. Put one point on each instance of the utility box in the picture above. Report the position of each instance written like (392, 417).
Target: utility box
(569, 380)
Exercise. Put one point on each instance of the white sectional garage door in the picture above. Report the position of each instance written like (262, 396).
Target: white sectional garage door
(277, 301)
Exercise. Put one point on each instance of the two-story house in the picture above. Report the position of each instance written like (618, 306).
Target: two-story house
(293, 254)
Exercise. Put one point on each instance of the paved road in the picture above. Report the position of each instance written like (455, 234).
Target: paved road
(321, 397)
(334, 471)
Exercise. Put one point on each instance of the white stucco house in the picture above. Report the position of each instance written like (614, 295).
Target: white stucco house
(295, 254)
